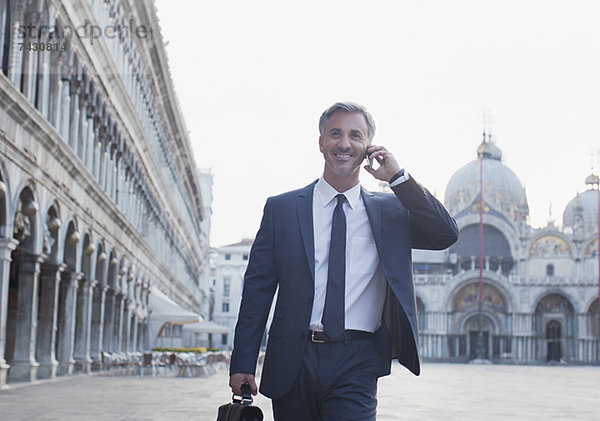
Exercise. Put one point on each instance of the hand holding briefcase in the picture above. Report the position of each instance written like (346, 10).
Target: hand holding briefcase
(240, 409)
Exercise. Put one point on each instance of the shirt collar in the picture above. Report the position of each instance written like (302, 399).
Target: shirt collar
(327, 193)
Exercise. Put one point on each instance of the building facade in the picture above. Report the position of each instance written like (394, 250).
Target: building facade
(229, 265)
(540, 285)
(99, 193)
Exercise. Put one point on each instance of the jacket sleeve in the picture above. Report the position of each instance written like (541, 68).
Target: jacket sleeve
(260, 283)
(432, 227)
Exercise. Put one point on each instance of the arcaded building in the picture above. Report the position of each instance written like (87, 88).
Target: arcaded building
(100, 199)
(540, 286)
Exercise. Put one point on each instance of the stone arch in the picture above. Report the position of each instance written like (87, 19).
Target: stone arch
(120, 275)
(466, 296)
(497, 281)
(72, 237)
(129, 281)
(113, 263)
(463, 309)
(101, 263)
(51, 233)
(508, 230)
(87, 255)
(550, 245)
(555, 325)
(21, 287)
(490, 336)
(489, 322)
(25, 218)
(555, 291)
(593, 315)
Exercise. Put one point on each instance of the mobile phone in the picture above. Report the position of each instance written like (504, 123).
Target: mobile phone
(368, 158)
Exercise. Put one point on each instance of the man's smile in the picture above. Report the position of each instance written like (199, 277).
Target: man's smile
(343, 155)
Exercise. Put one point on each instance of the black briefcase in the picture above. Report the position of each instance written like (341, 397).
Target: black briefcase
(240, 409)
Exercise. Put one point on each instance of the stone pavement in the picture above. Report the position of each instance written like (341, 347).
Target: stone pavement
(442, 392)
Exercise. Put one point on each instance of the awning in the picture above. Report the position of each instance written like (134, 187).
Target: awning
(206, 327)
(164, 310)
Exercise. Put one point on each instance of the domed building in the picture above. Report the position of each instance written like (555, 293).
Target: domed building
(539, 285)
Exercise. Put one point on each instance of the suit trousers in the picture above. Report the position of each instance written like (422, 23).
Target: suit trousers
(337, 382)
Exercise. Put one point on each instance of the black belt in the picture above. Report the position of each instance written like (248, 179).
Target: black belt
(319, 337)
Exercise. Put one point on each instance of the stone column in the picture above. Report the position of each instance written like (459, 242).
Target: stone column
(83, 361)
(24, 366)
(7, 245)
(66, 325)
(118, 338)
(48, 320)
(134, 334)
(145, 342)
(127, 326)
(109, 317)
(98, 326)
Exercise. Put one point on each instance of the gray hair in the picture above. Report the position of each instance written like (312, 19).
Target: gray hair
(349, 107)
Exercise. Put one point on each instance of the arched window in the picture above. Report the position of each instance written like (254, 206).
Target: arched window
(495, 246)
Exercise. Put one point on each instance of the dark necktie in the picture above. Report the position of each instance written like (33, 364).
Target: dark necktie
(333, 312)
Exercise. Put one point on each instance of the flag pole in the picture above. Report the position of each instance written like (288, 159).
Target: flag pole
(598, 254)
(480, 349)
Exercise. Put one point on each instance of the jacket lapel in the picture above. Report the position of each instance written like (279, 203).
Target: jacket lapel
(373, 207)
(305, 220)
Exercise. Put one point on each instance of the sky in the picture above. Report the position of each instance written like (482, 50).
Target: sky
(253, 78)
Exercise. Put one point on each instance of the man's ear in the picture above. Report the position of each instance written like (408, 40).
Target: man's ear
(321, 144)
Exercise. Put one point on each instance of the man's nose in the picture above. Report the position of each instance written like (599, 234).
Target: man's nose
(344, 142)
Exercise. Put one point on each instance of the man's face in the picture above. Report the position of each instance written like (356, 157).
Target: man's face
(344, 143)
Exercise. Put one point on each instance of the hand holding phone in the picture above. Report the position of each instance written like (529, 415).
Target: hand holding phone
(386, 165)
(368, 158)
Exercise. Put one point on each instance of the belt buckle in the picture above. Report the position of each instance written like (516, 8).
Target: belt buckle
(313, 337)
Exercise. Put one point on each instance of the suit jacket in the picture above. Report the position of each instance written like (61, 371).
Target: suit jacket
(282, 259)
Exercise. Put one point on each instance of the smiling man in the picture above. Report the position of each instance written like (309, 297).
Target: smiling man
(339, 258)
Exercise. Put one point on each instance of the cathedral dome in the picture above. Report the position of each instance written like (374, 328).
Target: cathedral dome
(502, 190)
(581, 213)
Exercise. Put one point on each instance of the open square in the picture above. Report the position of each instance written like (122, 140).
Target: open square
(443, 391)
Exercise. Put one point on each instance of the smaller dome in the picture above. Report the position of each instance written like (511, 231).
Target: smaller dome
(581, 213)
(489, 150)
(592, 179)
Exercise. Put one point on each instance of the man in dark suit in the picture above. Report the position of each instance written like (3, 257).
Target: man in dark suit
(339, 258)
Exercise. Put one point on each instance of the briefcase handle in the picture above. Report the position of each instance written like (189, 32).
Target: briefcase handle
(246, 398)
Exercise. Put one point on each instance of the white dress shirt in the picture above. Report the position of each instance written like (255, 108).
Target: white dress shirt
(365, 283)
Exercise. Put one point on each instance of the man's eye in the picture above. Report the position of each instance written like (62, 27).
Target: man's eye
(334, 134)
(357, 136)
